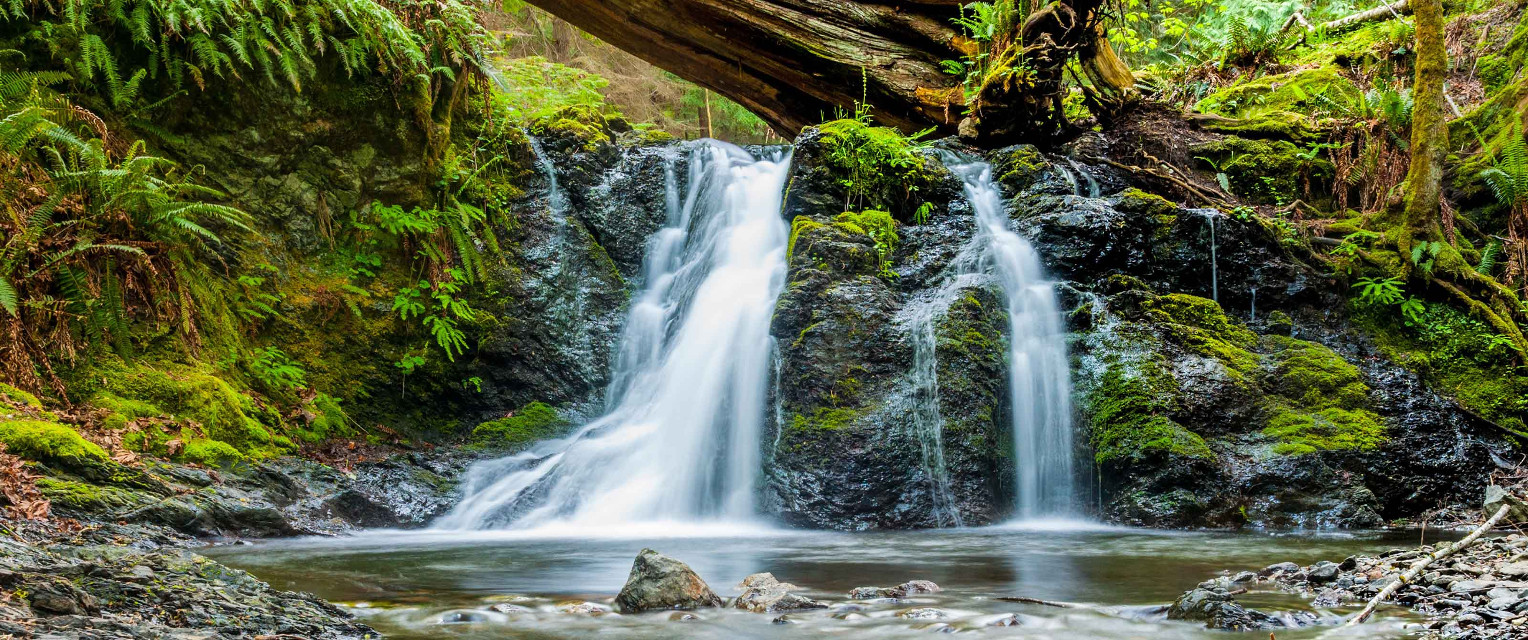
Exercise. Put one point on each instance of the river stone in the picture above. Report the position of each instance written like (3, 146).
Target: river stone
(911, 587)
(660, 582)
(1282, 567)
(924, 613)
(1514, 570)
(505, 607)
(762, 593)
(1218, 610)
(1469, 586)
(1322, 572)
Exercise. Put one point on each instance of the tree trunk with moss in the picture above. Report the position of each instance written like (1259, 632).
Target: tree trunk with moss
(1429, 127)
(799, 62)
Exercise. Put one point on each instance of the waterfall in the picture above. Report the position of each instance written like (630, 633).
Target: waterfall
(1038, 383)
(1214, 262)
(557, 201)
(680, 439)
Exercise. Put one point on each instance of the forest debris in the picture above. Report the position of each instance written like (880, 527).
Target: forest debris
(1439, 554)
(23, 501)
(1384, 12)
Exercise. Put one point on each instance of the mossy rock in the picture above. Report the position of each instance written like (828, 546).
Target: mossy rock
(1264, 171)
(532, 422)
(824, 419)
(582, 126)
(1136, 201)
(1331, 429)
(51, 443)
(1203, 327)
(1297, 92)
(1019, 167)
(878, 167)
(195, 394)
(1313, 375)
(90, 499)
(9, 393)
(1130, 422)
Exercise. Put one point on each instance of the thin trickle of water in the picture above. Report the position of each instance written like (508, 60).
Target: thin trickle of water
(1093, 189)
(1214, 262)
(1039, 384)
(927, 422)
(557, 201)
(1070, 178)
(1254, 304)
(681, 438)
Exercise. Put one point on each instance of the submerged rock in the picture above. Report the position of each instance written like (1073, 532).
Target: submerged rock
(1219, 610)
(660, 582)
(762, 593)
(911, 587)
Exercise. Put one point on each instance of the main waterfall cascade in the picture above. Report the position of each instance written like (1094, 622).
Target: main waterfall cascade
(1039, 385)
(680, 438)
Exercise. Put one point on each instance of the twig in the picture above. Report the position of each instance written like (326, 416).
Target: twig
(1439, 554)
(1048, 603)
(1387, 11)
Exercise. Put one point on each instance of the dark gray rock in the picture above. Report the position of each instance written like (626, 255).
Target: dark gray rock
(1322, 572)
(660, 582)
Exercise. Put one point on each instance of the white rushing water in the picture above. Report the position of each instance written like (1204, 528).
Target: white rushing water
(680, 440)
(1038, 382)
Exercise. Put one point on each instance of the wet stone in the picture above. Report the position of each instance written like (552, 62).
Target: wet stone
(1282, 567)
(505, 607)
(1322, 572)
(923, 613)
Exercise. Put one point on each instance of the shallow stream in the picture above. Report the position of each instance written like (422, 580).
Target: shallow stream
(429, 585)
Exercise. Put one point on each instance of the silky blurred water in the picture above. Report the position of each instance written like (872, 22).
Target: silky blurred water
(417, 585)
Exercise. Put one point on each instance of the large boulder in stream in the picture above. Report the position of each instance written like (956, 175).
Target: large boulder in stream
(660, 582)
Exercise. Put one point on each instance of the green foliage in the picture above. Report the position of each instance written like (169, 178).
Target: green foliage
(991, 27)
(535, 421)
(533, 88)
(274, 369)
(94, 237)
(878, 167)
(115, 46)
(1380, 292)
(441, 308)
(881, 228)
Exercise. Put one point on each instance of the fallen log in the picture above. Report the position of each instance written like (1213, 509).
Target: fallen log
(1383, 12)
(1416, 569)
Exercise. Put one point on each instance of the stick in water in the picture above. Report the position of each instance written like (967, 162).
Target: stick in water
(1441, 553)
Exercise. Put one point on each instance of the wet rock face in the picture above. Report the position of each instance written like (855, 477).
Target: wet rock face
(848, 452)
(563, 299)
(660, 582)
(282, 497)
(1209, 414)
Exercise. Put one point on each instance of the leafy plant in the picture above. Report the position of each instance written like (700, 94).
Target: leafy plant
(1375, 292)
(274, 369)
(1508, 179)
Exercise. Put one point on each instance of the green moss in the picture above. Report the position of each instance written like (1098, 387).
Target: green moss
(210, 453)
(1331, 429)
(1018, 168)
(798, 226)
(878, 167)
(1312, 375)
(329, 420)
(586, 123)
(1276, 124)
(824, 419)
(1294, 93)
(535, 421)
(1201, 326)
(9, 393)
(1264, 171)
(1134, 200)
(49, 442)
(1129, 418)
(89, 498)
(208, 399)
(120, 411)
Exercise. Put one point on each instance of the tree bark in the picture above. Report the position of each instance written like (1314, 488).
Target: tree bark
(800, 62)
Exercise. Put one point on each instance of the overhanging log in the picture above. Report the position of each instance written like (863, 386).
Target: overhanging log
(799, 62)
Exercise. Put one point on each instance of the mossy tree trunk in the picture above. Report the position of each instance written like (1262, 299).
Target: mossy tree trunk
(1429, 129)
(798, 62)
